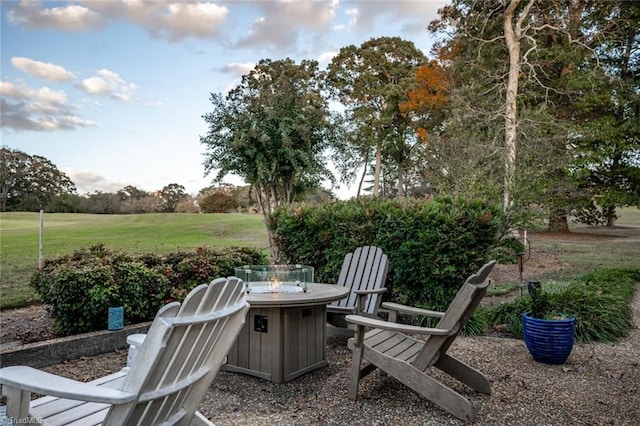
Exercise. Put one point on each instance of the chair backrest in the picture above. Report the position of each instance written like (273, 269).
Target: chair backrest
(363, 269)
(181, 355)
(456, 316)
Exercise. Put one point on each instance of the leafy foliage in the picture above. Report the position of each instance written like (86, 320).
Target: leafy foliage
(187, 270)
(272, 131)
(507, 250)
(218, 200)
(372, 81)
(433, 246)
(170, 196)
(31, 182)
(577, 106)
(82, 286)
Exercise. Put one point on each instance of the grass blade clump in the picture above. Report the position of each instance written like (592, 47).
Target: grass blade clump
(600, 302)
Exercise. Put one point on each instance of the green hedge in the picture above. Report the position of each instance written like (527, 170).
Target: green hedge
(82, 286)
(433, 246)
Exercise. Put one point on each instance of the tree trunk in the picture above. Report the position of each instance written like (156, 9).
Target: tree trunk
(364, 174)
(511, 130)
(376, 175)
(558, 222)
(400, 179)
(610, 213)
(265, 207)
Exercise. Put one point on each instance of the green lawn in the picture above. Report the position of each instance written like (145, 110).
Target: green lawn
(611, 247)
(156, 233)
(167, 232)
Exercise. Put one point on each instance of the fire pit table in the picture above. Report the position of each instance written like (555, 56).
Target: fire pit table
(284, 335)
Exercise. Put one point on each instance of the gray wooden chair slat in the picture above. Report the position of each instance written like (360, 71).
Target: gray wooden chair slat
(364, 269)
(408, 359)
(173, 369)
(391, 340)
(407, 348)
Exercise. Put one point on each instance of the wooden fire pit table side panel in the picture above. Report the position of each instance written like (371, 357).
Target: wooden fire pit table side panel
(284, 335)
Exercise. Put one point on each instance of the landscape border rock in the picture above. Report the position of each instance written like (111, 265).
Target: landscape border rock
(57, 351)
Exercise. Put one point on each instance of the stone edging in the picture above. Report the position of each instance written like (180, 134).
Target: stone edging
(57, 351)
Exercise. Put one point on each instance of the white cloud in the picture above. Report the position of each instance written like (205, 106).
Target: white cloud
(353, 18)
(109, 83)
(239, 69)
(236, 70)
(326, 57)
(183, 20)
(45, 70)
(32, 14)
(171, 20)
(95, 86)
(283, 23)
(10, 90)
(89, 182)
(418, 12)
(43, 110)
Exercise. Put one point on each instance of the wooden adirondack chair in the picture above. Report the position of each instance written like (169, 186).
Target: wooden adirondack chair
(389, 347)
(364, 271)
(174, 367)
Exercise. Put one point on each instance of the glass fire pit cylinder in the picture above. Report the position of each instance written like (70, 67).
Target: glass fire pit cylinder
(275, 278)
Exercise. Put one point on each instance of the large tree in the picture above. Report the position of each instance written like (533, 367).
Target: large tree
(522, 70)
(30, 182)
(371, 81)
(273, 131)
(170, 196)
(426, 110)
(608, 143)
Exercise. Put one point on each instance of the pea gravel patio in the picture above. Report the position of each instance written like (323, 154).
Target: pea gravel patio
(599, 385)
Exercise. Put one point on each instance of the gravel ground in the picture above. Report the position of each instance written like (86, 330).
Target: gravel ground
(599, 385)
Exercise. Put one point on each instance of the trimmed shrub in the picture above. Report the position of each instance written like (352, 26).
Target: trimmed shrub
(82, 286)
(433, 246)
(187, 270)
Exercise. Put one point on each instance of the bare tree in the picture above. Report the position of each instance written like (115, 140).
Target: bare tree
(513, 32)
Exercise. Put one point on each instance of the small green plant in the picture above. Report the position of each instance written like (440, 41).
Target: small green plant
(541, 306)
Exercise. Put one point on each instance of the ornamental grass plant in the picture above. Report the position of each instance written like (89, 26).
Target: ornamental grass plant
(599, 301)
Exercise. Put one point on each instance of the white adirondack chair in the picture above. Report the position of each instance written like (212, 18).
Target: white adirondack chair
(174, 367)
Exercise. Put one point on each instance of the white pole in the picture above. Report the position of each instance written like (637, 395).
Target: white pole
(41, 251)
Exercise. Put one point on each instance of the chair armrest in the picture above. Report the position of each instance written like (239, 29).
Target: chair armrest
(373, 291)
(344, 310)
(33, 380)
(411, 310)
(393, 326)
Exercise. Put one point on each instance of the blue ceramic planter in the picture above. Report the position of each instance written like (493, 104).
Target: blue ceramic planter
(548, 341)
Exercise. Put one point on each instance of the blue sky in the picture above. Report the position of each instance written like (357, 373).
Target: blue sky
(113, 92)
